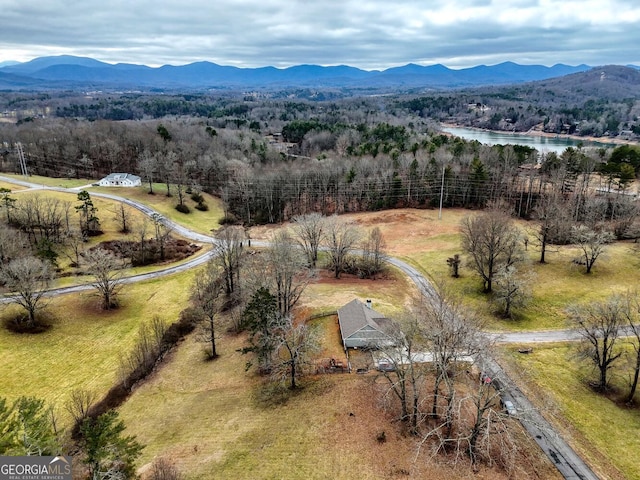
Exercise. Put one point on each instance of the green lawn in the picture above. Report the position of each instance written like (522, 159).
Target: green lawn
(604, 429)
(85, 345)
(202, 222)
(557, 284)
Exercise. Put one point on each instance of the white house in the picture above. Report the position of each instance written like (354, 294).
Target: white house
(120, 180)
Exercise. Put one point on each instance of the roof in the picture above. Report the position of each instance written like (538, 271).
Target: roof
(121, 176)
(356, 317)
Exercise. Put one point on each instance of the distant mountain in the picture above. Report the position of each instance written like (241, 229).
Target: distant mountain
(44, 62)
(82, 73)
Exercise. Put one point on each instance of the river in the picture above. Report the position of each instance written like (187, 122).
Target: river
(542, 144)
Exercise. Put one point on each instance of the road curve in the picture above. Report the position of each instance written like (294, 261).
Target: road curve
(566, 460)
(568, 463)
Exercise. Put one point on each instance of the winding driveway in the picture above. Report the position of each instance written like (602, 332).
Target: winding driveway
(569, 464)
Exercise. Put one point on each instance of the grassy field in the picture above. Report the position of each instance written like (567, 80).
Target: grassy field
(85, 344)
(606, 433)
(424, 241)
(202, 222)
(53, 182)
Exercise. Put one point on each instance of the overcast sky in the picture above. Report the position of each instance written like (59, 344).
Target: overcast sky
(370, 34)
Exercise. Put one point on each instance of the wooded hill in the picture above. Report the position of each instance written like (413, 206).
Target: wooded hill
(600, 102)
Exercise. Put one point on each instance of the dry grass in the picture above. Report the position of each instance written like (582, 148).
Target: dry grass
(606, 433)
(53, 182)
(11, 186)
(424, 241)
(215, 421)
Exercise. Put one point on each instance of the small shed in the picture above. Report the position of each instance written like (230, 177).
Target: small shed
(361, 326)
(120, 180)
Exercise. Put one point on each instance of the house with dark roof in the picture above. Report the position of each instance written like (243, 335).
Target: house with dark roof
(362, 327)
(120, 180)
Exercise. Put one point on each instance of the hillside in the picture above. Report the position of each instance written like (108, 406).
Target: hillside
(602, 101)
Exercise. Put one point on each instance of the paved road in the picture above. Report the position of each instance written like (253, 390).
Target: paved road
(570, 465)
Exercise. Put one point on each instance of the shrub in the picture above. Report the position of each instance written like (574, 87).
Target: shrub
(20, 324)
(229, 219)
(182, 208)
(197, 197)
(202, 206)
(163, 469)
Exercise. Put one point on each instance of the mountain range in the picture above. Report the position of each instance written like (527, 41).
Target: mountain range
(70, 72)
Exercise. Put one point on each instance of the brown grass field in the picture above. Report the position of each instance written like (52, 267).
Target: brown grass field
(213, 420)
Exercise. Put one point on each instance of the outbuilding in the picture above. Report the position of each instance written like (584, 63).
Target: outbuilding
(120, 180)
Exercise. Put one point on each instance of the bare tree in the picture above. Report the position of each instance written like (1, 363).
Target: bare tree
(162, 232)
(286, 269)
(122, 216)
(79, 404)
(295, 345)
(163, 469)
(228, 252)
(373, 255)
(165, 165)
(13, 244)
(401, 367)
(512, 289)
(592, 243)
(74, 241)
(492, 241)
(147, 163)
(27, 278)
(139, 255)
(599, 326)
(451, 332)
(632, 318)
(207, 290)
(105, 268)
(484, 422)
(552, 220)
(341, 238)
(309, 230)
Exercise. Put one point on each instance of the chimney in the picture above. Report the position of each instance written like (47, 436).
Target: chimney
(368, 303)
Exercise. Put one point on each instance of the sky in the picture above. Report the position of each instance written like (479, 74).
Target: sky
(369, 34)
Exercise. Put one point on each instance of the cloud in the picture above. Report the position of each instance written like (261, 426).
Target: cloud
(372, 34)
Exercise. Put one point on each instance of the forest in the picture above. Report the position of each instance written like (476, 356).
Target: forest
(270, 158)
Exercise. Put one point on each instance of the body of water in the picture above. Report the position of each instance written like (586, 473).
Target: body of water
(542, 144)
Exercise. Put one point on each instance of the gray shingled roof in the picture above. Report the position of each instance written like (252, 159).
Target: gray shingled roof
(356, 317)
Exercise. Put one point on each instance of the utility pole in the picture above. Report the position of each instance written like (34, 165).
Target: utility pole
(23, 162)
(441, 193)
